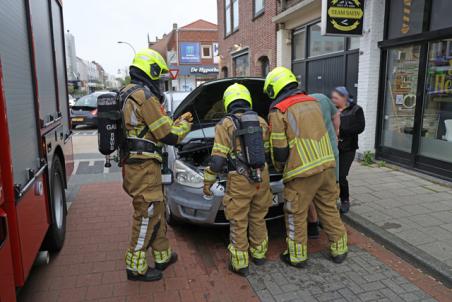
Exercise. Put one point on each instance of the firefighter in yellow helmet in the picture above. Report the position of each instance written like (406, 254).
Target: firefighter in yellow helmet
(301, 148)
(147, 128)
(248, 195)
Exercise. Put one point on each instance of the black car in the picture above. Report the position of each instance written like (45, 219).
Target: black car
(84, 111)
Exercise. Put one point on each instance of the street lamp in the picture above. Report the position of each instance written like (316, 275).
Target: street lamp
(127, 43)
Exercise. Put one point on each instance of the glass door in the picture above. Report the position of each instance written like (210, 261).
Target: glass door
(436, 134)
(400, 98)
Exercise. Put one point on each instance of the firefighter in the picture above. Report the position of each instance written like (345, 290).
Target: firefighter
(301, 148)
(248, 195)
(147, 128)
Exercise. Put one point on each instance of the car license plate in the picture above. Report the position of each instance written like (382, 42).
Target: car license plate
(275, 200)
(77, 119)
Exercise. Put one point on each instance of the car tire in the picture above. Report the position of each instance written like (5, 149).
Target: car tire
(56, 233)
(170, 219)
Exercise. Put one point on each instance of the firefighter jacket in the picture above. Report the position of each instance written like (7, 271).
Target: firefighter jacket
(296, 125)
(143, 112)
(223, 145)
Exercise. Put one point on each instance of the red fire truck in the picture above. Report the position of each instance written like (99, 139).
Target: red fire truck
(35, 137)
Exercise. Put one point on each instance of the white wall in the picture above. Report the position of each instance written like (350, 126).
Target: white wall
(369, 70)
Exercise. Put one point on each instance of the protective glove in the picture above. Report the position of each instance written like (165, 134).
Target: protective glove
(206, 189)
(209, 179)
(187, 116)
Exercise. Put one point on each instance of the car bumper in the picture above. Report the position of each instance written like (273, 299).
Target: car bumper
(188, 204)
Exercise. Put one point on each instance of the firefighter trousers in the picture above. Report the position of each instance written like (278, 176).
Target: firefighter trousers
(142, 181)
(246, 205)
(320, 189)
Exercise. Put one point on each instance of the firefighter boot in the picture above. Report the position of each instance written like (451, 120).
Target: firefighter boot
(239, 263)
(339, 250)
(137, 268)
(259, 252)
(164, 259)
(296, 255)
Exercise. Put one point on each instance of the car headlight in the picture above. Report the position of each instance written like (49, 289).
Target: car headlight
(186, 176)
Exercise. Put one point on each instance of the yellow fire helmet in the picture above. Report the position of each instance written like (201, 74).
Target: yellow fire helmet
(277, 79)
(151, 63)
(236, 92)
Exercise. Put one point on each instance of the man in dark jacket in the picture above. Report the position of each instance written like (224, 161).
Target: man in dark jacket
(352, 124)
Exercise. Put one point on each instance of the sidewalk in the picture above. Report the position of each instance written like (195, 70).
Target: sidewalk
(91, 266)
(410, 215)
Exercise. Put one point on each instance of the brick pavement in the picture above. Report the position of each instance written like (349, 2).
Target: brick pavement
(416, 211)
(90, 267)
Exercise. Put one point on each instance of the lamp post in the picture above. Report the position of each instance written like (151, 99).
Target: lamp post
(127, 43)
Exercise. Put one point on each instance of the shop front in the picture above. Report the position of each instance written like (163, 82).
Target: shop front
(191, 76)
(415, 103)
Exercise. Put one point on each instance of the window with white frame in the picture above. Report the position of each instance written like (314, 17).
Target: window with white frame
(206, 51)
(231, 16)
(259, 7)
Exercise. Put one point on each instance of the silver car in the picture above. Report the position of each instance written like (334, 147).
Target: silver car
(185, 200)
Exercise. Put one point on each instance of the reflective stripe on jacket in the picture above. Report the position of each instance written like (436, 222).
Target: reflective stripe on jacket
(298, 124)
(143, 109)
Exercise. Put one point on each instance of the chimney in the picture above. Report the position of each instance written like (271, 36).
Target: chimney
(174, 26)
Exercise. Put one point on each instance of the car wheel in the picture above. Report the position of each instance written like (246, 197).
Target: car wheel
(170, 219)
(56, 233)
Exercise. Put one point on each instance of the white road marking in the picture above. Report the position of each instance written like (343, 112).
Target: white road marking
(76, 163)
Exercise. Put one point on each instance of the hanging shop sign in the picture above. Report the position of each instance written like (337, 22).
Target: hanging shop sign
(342, 17)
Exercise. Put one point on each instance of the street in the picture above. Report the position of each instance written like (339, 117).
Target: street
(91, 267)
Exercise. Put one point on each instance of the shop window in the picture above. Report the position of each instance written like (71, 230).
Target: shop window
(436, 139)
(322, 45)
(265, 66)
(206, 51)
(231, 16)
(241, 65)
(259, 7)
(299, 44)
(406, 17)
(400, 98)
(353, 43)
(224, 71)
(441, 12)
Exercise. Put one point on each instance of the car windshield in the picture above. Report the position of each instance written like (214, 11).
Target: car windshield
(208, 132)
(87, 101)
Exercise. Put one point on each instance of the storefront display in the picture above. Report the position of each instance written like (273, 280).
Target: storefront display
(415, 112)
(400, 101)
(436, 141)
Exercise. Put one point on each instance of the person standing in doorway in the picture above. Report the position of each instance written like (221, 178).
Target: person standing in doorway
(352, 124)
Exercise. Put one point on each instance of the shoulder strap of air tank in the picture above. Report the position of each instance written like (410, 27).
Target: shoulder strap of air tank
(128, 94)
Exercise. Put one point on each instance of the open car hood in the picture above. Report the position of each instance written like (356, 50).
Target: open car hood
(206, 101)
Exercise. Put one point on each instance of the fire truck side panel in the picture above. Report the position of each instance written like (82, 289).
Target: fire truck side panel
(60, 60)
(43, 51)
(58, 36)
(18, 89)
(32, 227)
(7, 292)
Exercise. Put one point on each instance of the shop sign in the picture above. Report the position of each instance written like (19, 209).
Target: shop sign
(204, 70)
(190, 52)
(342, 17)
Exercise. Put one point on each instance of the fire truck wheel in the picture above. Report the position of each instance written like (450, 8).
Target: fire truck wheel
(57, 231)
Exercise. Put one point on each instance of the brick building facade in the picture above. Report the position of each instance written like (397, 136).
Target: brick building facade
(193, 50)
(249, 47)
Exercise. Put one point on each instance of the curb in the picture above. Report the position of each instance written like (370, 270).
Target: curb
(403, 249)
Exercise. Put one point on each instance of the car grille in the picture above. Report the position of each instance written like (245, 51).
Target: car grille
(273, 212)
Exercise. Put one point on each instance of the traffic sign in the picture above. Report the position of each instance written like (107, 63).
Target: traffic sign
(174, 73)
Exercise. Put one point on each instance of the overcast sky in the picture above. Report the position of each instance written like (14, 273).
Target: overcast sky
(98, 24)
